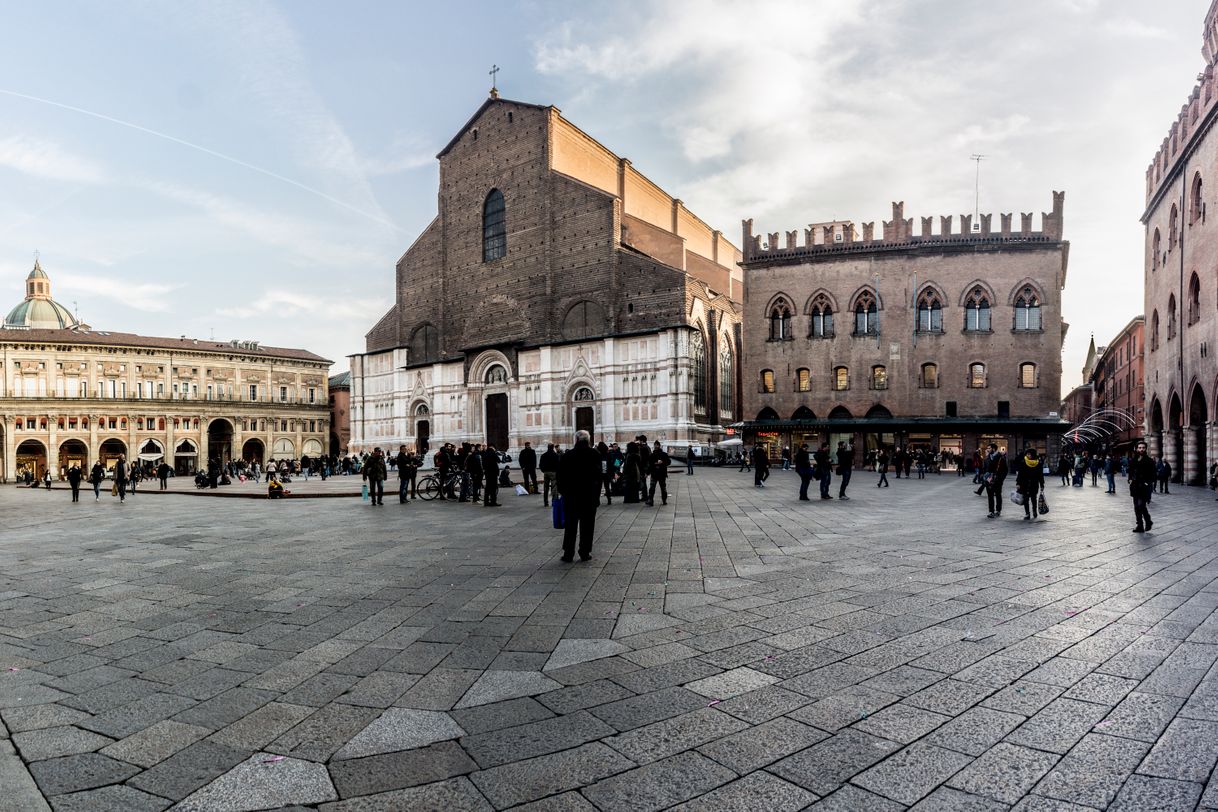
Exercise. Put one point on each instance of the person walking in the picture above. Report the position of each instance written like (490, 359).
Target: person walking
(74, 477)
(630, 474)
(374, 471)
(995, 476)
(549, 475)
(824, 469)
(689, 461)
(881, 464)
(46, 478)
(761, 465)
(786, 458)
(473, 467)
(162, 473)
(803, 467)
(644, 464)
(659, 462)
(490, 472)
(1142, 476)
(579, 482)
(845, 465)
(120, 478)
(608, 467)
(1110, 465)
(97, 475)
(528, 467)
(401, 462)
(1164, 473)
(133, 478)
(745, 457)
(1030, 481)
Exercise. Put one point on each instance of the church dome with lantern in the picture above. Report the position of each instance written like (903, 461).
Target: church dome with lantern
(39, 311)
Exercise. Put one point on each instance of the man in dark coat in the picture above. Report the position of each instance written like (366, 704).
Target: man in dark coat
(995, 475)
(375, 472)
(761, 465)
(549, 474)
(803, 467)
(845, 466)
(1141, 483)
(162, 472)
(473, 467)
(659, 462)
(490, 472)
(120, 477)
(824, 470)
(579, 482)
(644, 464)
(528, 467)
(402, 462)
(443, 463)
(74, 476)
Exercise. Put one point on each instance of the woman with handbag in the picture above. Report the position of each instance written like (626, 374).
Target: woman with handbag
(1030, 481)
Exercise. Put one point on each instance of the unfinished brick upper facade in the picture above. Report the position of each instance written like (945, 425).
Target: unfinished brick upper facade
(595, 254)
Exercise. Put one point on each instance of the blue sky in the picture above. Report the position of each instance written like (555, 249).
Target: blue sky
(299, 158)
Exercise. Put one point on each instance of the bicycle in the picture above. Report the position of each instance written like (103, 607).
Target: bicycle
(430, 486)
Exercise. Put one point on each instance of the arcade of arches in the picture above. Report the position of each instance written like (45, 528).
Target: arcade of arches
(1186, 437)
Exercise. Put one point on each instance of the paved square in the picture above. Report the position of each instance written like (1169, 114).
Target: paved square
(735, 649)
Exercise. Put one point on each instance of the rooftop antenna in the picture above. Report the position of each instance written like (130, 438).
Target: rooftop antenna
(977, 158)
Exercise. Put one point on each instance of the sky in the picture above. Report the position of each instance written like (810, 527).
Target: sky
(254, 170)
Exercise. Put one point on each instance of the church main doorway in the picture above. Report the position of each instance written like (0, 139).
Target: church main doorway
(585, 420)
(497, 421)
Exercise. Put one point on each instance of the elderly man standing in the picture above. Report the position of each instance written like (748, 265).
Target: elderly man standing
(579, 482)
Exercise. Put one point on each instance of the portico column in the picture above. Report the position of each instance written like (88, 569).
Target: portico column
(10, 452)
(1171, 439)
(1154, 444)
(53, 446)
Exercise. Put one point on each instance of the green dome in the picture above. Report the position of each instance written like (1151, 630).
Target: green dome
(40, 314)
(39, 311)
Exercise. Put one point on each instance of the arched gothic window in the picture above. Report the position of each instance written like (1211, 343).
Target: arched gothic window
(697, 370)
(1171, 317)
(803, 380)
(822, 318)
(1172, 223)
(976, 376)
(494, 227)
(767, 381)
(727, 380)
(1027, 310)
(1156, 249)
(1154, 331)
(977, 311)
(930, 312)
(930, 376)
(841, 378)
(879, 377)
(1198, 204)
(1194, 300)
(866, 315)
(496, 374)
(1027, 376)
(780, 321)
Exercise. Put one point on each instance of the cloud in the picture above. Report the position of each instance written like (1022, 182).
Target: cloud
(283, 304)
(259, 43)
(1128, 27)
(150, 297)
(43, 158)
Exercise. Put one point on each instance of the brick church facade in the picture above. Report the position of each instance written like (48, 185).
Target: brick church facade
(1181, 347)
(939, 339)
(556, 289)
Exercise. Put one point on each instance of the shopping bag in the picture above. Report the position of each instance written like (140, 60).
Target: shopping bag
(559, 514)
(364, 492)
(522, 490)
(114, 489)
(1043, 507)
(1017, 497)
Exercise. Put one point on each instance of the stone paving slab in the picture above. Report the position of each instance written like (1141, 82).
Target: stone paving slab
(735, 649)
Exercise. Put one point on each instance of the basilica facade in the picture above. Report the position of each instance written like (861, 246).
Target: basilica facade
(556, 289)
(72, 395)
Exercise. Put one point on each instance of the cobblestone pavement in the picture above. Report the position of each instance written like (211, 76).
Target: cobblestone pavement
(735, 649)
